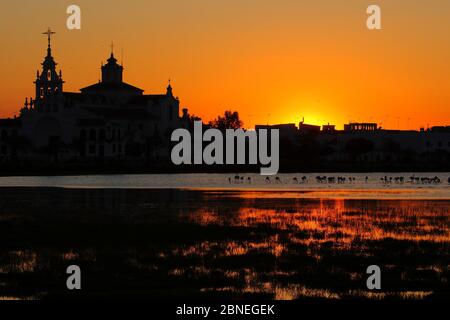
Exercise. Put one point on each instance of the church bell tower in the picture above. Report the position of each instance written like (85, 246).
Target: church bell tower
(48, 83)
(112, 72)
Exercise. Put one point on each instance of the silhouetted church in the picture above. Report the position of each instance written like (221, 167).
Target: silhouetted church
(108, 119)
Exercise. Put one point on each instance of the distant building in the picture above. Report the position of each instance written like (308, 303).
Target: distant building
(308, 128)
(366, 142)
(445, 129)
(9, 134)
(288, 130)
(328, 128)
(109, 119)
(360, 127)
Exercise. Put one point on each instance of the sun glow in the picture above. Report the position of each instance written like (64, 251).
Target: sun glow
(310, 110)
(278, 64)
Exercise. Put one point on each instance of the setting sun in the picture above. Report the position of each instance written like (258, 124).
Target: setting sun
(184, 153)
(273, 62)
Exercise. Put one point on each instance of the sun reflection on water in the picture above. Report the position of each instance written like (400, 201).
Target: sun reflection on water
(314, 229)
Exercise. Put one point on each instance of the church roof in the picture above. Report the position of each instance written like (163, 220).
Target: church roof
(10, 122)
(111, 86)
(132, 101)
(75, 96)
(93, 122)
(143, 99)
(119, 113)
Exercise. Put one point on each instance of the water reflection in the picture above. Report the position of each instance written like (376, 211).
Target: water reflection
(342, 221)
(171, 243)
(332, 232)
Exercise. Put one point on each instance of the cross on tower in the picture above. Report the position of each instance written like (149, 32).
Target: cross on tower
(49, 33)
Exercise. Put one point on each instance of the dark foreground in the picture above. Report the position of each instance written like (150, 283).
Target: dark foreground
(223, 244)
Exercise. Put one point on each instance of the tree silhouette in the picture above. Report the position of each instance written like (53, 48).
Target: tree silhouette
(230, 120)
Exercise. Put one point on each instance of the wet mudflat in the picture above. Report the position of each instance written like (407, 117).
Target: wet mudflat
(141, 243)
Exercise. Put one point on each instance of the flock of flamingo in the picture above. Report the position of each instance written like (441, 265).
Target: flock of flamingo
(340, 180)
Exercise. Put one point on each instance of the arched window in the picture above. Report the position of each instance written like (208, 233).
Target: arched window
(83, 135)
(102, 135)
(4, 135)
(170, 113)
(92, 135)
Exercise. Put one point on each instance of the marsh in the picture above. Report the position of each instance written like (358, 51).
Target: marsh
(169, 243)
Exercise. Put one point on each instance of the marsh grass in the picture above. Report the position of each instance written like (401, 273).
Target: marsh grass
(174, 243)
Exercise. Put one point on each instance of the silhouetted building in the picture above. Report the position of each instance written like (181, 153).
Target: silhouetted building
(308, 128)
(328, 128)
(110, 119)
(288, 130)
(360, 127)
(365, 142)
(445, 129)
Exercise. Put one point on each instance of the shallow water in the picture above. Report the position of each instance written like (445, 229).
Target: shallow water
(220, 243)
(374, 187)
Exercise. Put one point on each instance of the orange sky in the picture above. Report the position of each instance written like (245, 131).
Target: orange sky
(275, 61)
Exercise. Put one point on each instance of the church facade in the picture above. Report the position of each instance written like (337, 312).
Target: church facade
(109, 119)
